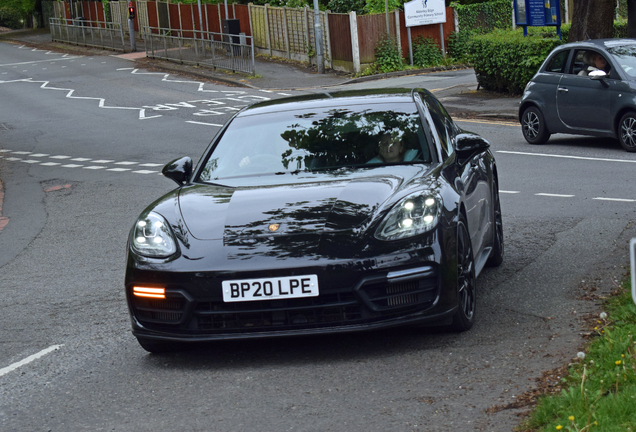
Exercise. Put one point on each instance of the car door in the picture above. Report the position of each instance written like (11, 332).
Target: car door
(583, 103)
(474, 182)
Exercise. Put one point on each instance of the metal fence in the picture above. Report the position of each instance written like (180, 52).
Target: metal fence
(216, 50)
(89, 33)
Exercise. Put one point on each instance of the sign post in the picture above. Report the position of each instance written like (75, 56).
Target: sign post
(131, 26)
(425, 12)
(632, 259)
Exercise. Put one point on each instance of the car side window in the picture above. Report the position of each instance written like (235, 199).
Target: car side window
(586, 61)
(557, 63)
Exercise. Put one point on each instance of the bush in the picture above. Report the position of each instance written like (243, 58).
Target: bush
(388, 55)
(426, 52)
(505, 60)
(346, 6)
(483, 17)
(10, 18)
(458, 45)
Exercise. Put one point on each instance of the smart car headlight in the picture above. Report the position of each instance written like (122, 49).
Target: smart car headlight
(415, 214)
(152, 237)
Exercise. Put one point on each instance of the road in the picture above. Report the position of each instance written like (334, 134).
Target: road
(82, 143)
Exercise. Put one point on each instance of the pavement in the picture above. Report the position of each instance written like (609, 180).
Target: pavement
(462, 101)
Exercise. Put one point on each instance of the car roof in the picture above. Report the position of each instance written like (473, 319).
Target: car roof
(599, 43)
(331, 99)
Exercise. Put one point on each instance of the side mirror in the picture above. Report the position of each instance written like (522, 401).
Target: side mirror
(467, 143)
(597, 75)
(179, 170)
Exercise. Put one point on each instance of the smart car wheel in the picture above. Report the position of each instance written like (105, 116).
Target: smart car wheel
(466, 280)
(533, 126)
(497, 254)
(627, 132)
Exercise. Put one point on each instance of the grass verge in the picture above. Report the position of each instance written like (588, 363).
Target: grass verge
(599, 391)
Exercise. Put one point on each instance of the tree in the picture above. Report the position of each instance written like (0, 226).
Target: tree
(592, 19)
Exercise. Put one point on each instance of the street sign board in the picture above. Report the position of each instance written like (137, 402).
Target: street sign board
(537, 13)
(424, 12)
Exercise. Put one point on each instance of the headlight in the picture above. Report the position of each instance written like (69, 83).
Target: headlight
(413, 215)
(152, 237)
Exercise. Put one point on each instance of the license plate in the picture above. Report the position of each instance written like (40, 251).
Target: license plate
(270, 288)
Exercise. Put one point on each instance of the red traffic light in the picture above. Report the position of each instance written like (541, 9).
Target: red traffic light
(131, 10)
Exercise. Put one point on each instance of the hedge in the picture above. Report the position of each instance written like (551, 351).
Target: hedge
(505, 60)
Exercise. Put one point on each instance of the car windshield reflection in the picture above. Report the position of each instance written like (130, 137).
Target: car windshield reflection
(625, 56)
(323, 139)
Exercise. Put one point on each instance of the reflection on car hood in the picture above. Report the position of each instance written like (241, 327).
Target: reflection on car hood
(310, 206)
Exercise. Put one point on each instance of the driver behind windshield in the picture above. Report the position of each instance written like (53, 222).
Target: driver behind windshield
(391, 149)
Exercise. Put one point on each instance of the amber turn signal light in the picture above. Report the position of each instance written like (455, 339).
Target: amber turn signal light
(158, 293)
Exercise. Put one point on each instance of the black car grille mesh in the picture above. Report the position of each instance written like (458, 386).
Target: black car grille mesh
(324, 310)
(418, 293)
(169, 311)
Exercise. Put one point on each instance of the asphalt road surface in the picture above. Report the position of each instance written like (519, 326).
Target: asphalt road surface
(82, 142)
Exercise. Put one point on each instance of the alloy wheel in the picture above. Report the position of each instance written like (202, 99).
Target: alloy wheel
(465, 273)
(531, 124)
(628, 132)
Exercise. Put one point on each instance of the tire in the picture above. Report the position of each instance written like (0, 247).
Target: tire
(466, 281)
(627, 132)
(533, 126)
(497, 254)
(157, 347)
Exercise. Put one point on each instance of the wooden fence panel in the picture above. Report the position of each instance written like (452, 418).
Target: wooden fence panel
(242, 13)
(340, 29)
(431, 31)
(371, 28)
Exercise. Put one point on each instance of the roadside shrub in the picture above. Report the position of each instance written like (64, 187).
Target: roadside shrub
(346, 6)
(505, 60)
(10, 18)
(426, 52)
(483, 17)
(458, 45)
(620, 29)
(388, 55)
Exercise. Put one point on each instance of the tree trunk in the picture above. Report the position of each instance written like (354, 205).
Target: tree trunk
(631, 18)
(592, 19)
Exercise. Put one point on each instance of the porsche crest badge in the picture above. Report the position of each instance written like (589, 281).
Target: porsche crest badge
(273, 227)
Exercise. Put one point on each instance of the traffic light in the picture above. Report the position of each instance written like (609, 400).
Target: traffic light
(131, 11)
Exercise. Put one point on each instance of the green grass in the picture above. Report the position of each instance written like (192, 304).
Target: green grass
(599, 392)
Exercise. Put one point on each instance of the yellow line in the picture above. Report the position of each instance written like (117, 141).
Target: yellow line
(492, 122)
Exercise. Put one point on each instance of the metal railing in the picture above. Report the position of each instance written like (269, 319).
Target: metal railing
(98, 34)
(217, 50)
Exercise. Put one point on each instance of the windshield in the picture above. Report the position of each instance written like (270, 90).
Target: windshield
(625, 56)
(319, 139)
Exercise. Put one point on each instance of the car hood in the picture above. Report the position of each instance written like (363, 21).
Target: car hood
(312, 204)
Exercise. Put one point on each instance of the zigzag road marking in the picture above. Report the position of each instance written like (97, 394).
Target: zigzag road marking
(69, 94)
(200, 83)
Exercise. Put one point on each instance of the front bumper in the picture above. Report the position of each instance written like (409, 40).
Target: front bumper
(350, 300)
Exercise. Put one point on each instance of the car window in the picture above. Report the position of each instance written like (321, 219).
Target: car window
(586, 60)
(323, 138)
(625, 56)
(443, 125)
(557, 63)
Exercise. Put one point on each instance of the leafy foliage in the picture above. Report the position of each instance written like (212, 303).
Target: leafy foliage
(426, 52)
(388, 55)
(10, 18)
(483, 17)
(379, 6)
(458, 43)
(505, 60)
(346, 6)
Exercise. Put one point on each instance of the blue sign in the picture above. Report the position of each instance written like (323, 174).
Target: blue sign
(537, 13)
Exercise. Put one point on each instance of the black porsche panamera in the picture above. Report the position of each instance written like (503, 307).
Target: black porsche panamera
(332, 212)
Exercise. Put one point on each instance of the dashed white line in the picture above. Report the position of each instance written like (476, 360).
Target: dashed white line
(29, 359)
(144, 172)
(80, 159)
(95, 167)
(50, 163)
(567, 156)
(150, 165)
(615, 199)
(509, 192)
(203, 123)
(60, 157)
(554, 195)
(103, 161)
(118, 169)
(72, 166)
(126, 163)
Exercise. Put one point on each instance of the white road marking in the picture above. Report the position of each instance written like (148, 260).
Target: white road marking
(72, 166)
(554, 195)
(145, 172)
(60, 157)
(22, 152)
(40, 155)
(150, 165)
(29, 359)
(509, 192)
(50, 164)
(615, 199)
(95, 167)
(285, 94)
(30, 161)
(80, 159)
(126, 163)
(32, 62)
(103, 161)
(490, 122)
(567, 157)
(203, 123)
(118, 169)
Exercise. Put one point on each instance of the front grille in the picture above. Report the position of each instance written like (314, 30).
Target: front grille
(325, 310)
(168, 311)
(387, 296)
